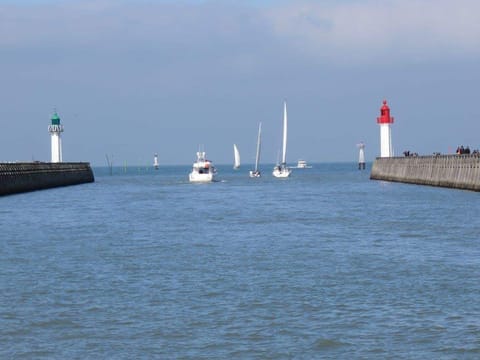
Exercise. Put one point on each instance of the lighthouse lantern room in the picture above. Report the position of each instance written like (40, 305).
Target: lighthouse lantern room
(384, 121)
(55, 129)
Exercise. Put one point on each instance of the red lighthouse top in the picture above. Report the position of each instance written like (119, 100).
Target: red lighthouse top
(385, 117)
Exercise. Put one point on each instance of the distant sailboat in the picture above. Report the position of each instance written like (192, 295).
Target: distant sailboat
(236, 157)
(281, 170)
(155, 161)
(256, 172)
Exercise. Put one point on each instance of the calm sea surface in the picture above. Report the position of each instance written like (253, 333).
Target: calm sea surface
(325, 264)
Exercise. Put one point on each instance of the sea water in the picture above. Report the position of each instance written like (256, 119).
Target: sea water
(324, 264)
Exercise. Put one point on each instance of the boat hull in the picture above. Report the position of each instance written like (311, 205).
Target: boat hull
(255, 174)
(200, 178)
(281, 173)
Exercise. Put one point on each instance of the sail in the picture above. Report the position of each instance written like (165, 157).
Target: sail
(281, 170)
(284, 149)
(257, 158)
(236, 162)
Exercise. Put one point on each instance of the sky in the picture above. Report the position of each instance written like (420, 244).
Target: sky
(133, 78)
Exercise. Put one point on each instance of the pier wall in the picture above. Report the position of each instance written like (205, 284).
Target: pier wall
(451, 171)
(22, 177)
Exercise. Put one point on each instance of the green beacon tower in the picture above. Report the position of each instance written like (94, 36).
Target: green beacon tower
(55, 129)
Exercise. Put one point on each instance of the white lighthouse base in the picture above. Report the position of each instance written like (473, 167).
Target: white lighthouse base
(56, 148)
(385, 141)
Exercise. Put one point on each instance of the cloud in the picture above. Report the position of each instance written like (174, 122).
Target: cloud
(367, 31)
(373, 31)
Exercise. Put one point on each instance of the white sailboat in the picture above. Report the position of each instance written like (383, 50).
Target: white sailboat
(256, 172)
(236, 157)
(281, 170)
(155, 161)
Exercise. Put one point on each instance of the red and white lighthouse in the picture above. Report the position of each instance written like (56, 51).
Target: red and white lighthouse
(384, 121)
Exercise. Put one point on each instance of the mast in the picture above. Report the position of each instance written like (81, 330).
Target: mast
(257, 158)
(284, 150)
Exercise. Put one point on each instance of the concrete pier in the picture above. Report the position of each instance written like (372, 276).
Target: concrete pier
(451, 171)
(22, 177)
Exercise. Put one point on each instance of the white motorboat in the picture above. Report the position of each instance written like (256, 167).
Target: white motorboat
(302, 164)
(203, 169)
(255, 172)
(281, 170)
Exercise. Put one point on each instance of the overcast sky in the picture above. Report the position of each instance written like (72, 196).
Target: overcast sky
(131, 78)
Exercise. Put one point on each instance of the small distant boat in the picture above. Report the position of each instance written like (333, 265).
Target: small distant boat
(236, 157)
(155, 161)
(281, 170)
(203, 169)
(302, 164)
(256, 172)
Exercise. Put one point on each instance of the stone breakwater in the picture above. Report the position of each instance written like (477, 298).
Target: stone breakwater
(22, 177)
(452, 171)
